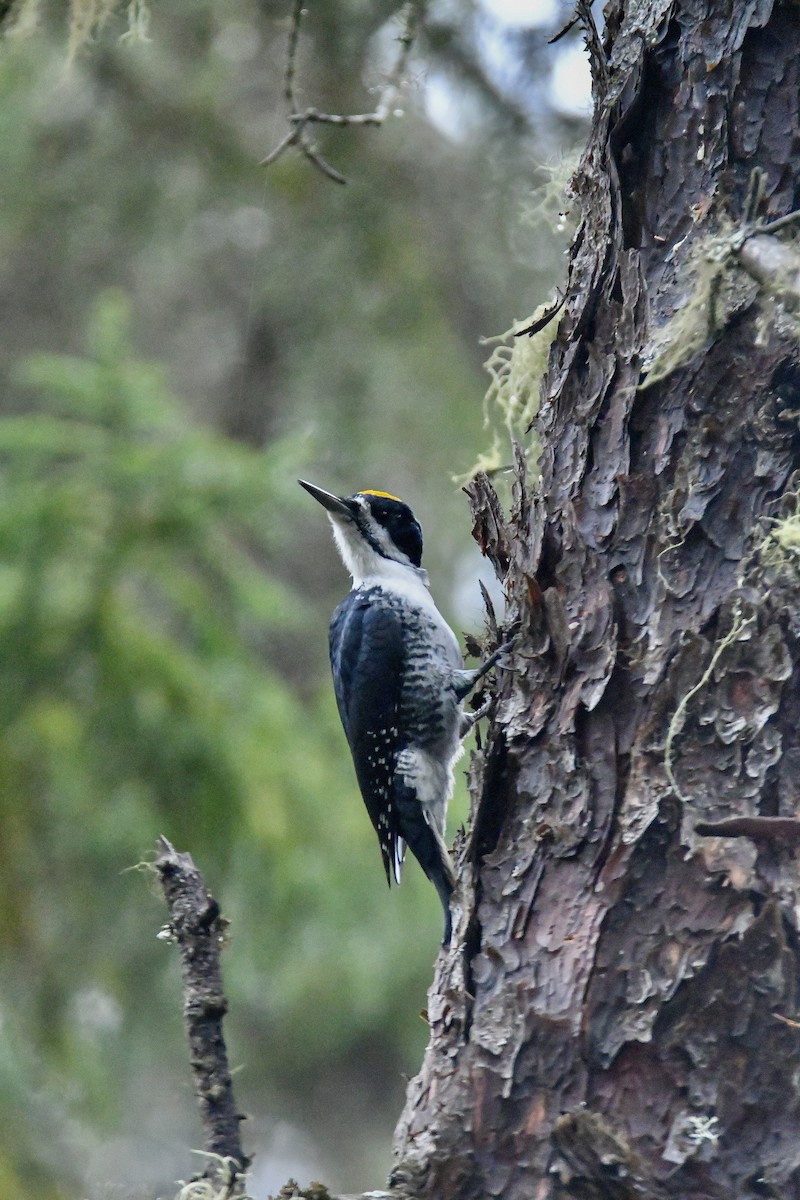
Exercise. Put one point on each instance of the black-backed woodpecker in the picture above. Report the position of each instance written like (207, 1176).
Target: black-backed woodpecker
(400, 681)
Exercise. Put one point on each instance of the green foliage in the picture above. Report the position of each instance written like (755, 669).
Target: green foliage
(130, 586)
(136, 594)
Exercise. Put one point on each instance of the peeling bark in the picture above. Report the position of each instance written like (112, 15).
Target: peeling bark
(608, 1021)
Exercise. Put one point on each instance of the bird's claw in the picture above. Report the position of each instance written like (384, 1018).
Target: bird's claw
(470, 720)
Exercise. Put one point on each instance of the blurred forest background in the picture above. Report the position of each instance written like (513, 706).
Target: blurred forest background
(183, 334)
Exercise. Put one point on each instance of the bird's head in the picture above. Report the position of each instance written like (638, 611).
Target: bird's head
(377, 534)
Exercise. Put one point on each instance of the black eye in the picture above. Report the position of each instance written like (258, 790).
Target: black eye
(406, 534)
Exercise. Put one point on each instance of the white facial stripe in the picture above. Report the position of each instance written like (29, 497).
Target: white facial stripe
(361, 558)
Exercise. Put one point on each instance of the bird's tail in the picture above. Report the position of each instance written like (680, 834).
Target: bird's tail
(427, 845)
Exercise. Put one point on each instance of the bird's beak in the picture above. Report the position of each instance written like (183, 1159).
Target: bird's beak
(334, 504)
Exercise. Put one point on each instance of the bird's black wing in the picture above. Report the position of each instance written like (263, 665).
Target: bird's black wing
(367, 659)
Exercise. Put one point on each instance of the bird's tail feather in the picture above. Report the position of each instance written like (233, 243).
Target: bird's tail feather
(427, 845)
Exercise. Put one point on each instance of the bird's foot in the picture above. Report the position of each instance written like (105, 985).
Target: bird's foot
(469, 720)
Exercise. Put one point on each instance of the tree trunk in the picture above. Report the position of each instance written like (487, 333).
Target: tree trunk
(614, 1018)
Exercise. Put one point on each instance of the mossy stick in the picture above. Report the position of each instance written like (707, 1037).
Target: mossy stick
(197, 926)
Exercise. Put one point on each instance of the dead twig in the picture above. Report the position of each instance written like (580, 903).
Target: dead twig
(597, 58)
(300, 121)
(783, 831)
(197, 927)
(786, 1021)
(543, 316)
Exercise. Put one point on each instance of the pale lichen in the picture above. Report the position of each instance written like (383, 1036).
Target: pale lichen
(516, 368)
(709, 298)
(726, 273)
(23, 19)
(225, 1185)
(518, 360)
(85, 20)
(780, 551)
(546, 211)
(739, 624)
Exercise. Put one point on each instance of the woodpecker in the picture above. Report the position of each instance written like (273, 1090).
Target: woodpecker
(399, 680)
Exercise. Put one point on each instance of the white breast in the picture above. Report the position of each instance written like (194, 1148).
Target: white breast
(403, 580)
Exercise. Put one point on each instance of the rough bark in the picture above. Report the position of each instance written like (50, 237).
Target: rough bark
(608, 1022)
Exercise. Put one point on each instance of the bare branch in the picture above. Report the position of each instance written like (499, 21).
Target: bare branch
(291, 54)
(298, 136)
(197, 926)
(313, 114)
(290, 140)
(313, 155)
(791, 218)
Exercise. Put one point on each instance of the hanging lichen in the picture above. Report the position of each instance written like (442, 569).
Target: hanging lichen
(518, 360)
(714, 290)
(726, 274)
(516, 367)
(86, 18)
(779, 554)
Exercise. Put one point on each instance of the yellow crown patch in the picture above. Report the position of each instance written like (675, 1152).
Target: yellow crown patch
(385, 495)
